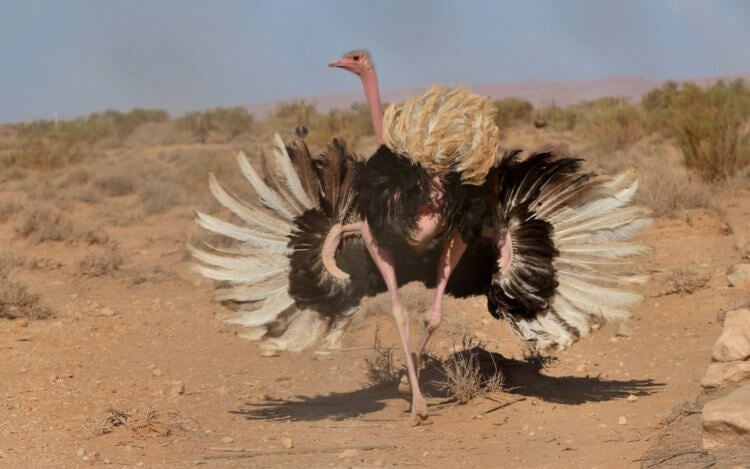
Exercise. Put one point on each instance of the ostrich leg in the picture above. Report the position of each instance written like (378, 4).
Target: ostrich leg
(383, 258)
(453, 248)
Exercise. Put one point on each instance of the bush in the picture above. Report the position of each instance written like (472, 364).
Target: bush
(615, 125)
(53, 143)
(511, 111)
(226, 123)
(709, 124)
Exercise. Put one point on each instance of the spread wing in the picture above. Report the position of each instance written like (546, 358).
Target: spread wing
(275, 278)
(564, 259)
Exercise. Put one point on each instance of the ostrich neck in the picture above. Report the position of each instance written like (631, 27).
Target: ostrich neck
(372, 93)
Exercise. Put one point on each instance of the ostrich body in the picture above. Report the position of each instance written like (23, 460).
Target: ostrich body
(539, 237)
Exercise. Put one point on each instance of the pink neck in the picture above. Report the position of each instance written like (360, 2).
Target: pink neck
(370, 84)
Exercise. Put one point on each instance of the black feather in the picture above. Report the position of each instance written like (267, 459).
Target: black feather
(525, 290)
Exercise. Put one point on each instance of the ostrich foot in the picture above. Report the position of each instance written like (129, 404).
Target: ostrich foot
(419, 413)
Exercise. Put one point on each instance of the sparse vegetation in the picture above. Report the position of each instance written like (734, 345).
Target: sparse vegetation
(685, 281)
(160, 196)
(511, 111)
(613, 124)
(665, 190)
(105, 263)
(15, 299)
(464, 377)
(40, 223)
(53, 143)
(8, 208)
(224, 124)
(710, 125)
(381, 369)
(116, 184)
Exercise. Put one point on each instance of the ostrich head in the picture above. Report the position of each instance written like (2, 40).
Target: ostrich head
(357, 62)
(360, 63)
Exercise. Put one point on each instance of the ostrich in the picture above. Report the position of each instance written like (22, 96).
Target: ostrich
(435, 189)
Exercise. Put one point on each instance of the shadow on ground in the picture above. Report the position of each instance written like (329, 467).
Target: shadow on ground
(522, 378)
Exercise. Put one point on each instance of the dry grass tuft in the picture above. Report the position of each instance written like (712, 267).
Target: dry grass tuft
(464, 377)
(76, 177)
(15, 299)
(106, 263)
(686, 281)
(45, 224)
(160, 196)
(116, 185)
(381, 369)
(8, 208)
(666, 190)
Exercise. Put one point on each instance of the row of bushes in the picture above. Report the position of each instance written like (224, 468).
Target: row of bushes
(53, 143)
(710, 126)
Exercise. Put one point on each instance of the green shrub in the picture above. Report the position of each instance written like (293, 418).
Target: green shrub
(709, 124)
(614, 125)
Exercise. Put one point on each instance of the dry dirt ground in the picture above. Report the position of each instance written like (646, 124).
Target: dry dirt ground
(137, 369)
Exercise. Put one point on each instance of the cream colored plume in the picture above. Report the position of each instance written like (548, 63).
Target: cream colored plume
(445, 130)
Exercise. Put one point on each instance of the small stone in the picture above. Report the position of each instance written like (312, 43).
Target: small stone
(622, 420)
(287, 443)
(348, 454)
(80, 452)
(227, 440)
(157, 372)
(632, 398)
(734, 341)
(622, 329)
(269, 353)
(614, 340)
(222, 390)
(723, 373)
(107, 312)
(177, 390)
(739, 276)
(581, 368)
(726, 421)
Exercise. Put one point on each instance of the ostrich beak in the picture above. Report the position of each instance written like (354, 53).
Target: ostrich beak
(337, 63)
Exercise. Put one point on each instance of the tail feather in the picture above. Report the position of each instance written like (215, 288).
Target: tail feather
(569, 276)
(274, 278)
(253, 217)
(245, 235)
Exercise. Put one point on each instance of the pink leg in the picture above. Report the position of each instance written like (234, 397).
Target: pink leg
(453, 249)
(384, 260)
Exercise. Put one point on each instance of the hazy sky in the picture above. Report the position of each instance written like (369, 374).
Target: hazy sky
(73, 57)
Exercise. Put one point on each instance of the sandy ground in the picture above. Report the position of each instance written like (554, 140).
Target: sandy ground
(137, 369)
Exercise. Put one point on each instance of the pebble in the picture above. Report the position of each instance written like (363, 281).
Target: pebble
(632, 398)
(80, 452)
(227, 440)
(107, 312)
(348, 454)
(269, 353)
(581, 368)
(157, 372)
(287, 443)
(177, 390)
(622, 420)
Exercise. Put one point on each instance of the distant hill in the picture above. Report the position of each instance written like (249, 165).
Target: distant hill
(539, 93)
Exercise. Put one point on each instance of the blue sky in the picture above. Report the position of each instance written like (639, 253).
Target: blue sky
(73, 57)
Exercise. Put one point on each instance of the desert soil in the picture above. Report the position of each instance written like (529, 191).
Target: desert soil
(136, 367)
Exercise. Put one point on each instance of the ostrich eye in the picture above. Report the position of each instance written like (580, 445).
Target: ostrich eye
(355, 57)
